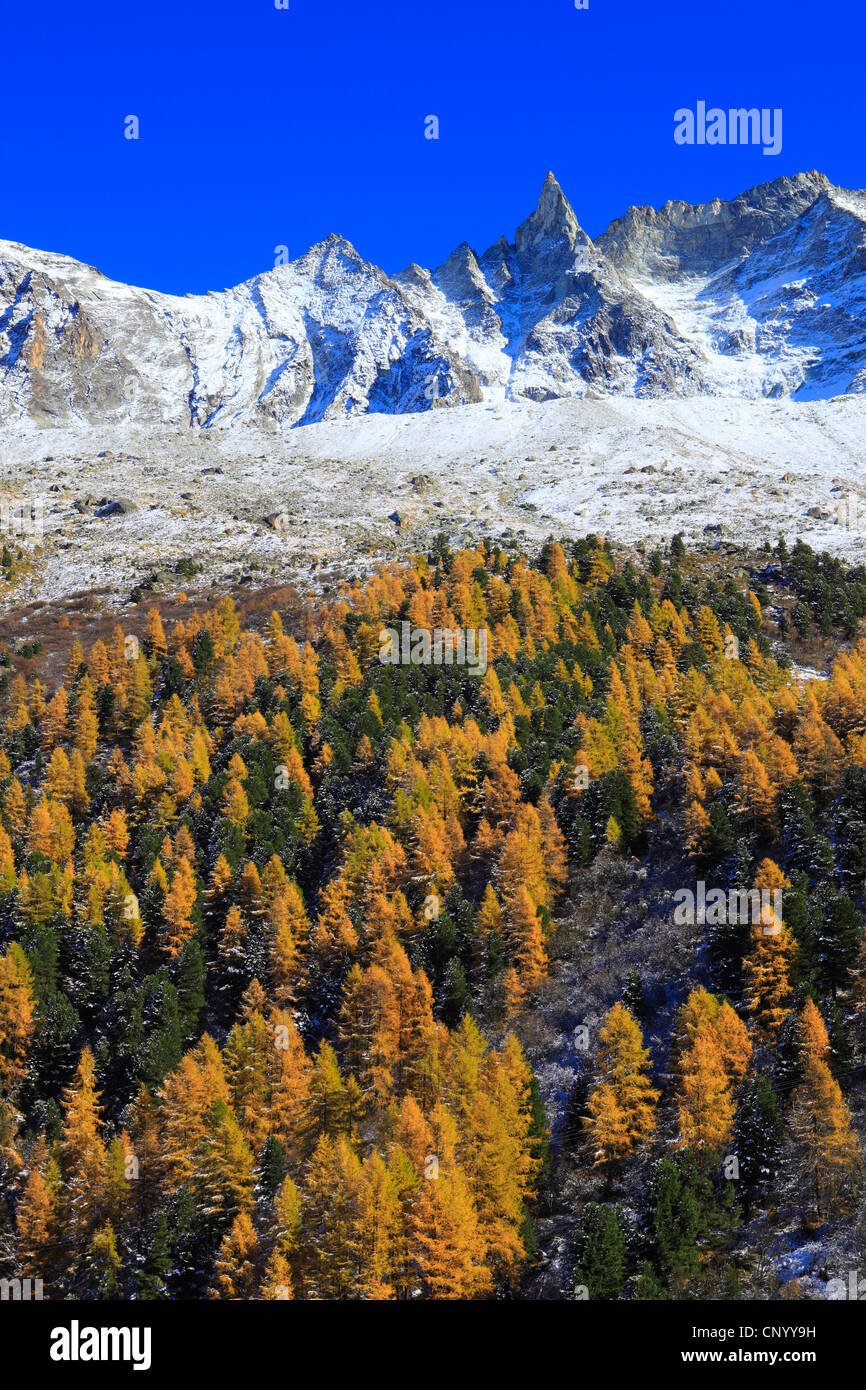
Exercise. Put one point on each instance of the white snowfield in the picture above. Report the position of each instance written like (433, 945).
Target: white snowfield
(349, 492)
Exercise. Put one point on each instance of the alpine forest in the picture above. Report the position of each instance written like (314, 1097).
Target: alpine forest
(331, 977)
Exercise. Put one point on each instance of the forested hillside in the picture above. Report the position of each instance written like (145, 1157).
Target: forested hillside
(290, 937)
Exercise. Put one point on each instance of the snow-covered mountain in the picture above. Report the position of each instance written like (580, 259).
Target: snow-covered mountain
(764, 295)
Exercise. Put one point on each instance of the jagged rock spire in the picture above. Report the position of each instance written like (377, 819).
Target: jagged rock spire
(553, 221)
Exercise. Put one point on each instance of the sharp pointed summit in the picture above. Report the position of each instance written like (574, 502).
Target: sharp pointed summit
(553, 221)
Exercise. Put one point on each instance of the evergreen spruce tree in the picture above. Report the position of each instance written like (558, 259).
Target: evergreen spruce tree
(648, 1287)
(153, 1275)
(797, 826)
(601, 1252)
(838, 933)
(757, 1140)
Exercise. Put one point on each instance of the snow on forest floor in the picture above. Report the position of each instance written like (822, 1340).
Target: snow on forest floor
(382, 486)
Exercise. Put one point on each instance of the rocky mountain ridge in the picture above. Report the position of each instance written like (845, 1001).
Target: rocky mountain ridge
(760, 296)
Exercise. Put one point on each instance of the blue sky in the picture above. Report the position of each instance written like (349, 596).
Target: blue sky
(262, 127)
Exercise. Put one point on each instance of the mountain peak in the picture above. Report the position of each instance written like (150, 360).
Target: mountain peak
(552, 221)
(332, 242)
(462, 257)
(552, 202)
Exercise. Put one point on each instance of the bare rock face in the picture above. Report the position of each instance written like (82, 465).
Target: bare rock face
(764, 295)
(685, 239)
